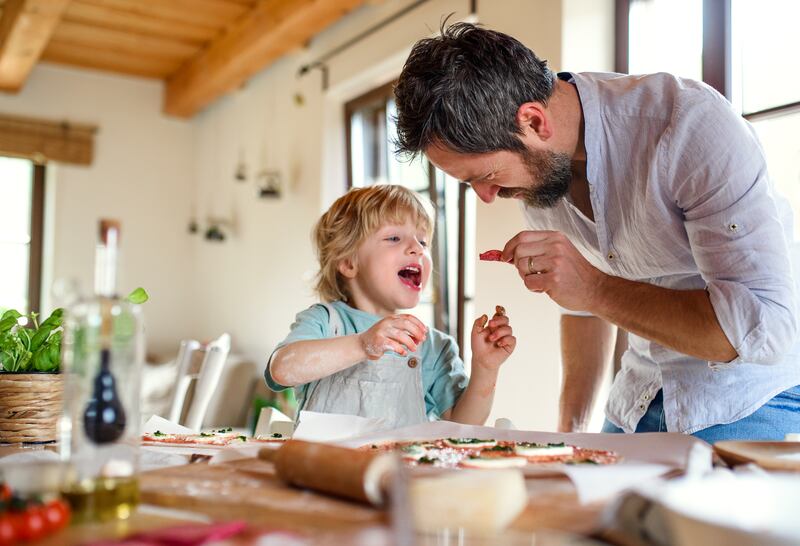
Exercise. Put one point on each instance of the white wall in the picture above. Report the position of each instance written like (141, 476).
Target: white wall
(142, 175)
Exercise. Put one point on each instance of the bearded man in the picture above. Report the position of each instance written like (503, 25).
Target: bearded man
(650, 208)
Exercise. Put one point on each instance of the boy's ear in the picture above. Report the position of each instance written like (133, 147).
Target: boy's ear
(348, 268)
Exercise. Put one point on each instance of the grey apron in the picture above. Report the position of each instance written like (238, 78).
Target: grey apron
(389, 388)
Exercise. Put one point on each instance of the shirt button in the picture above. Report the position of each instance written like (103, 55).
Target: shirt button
(641, 406)
(611, 256)
(412, 362)
(645, 397)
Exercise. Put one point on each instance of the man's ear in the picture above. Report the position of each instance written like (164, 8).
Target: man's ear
(532, 118)
(348, 268)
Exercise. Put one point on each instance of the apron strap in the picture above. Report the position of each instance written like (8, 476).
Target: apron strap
(335, 324)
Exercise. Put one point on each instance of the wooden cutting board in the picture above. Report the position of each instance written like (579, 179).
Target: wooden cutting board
(784, 456)
(248, 489)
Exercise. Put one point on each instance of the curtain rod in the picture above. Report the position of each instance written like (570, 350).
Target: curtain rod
(319, 62)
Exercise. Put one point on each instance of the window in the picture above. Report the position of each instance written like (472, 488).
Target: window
(653, 24)
(371, 160)
(21, 213)
(767, 87)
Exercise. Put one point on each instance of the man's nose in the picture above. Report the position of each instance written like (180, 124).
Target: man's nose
(486, 192)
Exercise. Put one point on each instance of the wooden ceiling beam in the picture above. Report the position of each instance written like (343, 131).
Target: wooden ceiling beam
(25, 30)
(270, 30)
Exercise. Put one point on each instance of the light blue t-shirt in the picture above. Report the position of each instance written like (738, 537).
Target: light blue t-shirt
(443, 375)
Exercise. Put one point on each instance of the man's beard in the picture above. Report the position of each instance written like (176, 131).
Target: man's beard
(552, 170)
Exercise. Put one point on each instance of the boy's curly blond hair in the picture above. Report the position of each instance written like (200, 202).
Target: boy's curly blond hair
(354, 217)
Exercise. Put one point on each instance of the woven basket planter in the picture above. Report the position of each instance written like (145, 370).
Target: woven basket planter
(30, 406)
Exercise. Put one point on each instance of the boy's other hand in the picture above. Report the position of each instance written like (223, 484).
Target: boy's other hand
(492, 340)
(399, 333)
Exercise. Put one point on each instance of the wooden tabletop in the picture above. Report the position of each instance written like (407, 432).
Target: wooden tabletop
(248, 490)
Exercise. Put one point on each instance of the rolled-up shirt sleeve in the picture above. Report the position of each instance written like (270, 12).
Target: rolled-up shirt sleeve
(734, 229)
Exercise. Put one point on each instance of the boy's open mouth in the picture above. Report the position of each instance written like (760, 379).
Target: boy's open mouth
(411, 275)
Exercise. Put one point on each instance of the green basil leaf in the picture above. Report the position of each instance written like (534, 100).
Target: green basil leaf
(138, 296)
(54, 320)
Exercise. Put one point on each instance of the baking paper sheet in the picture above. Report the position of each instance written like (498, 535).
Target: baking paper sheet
(646, 456)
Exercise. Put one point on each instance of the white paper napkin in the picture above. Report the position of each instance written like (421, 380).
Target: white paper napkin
(330, 427)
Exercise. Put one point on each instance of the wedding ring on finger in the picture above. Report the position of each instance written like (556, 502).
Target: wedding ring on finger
(531, 270)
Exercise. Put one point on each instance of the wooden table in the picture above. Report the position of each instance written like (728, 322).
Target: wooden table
(248, 490)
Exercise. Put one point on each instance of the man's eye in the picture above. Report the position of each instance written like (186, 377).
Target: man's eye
(490, 176)
(423, 243)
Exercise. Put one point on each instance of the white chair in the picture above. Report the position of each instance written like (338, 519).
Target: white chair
(206, 379)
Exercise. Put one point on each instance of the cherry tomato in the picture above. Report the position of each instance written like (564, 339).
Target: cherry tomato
(5, 492)
(56, 514)
(8, 531)
(31, 524)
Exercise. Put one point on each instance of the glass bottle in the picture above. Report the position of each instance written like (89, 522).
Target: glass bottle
(103, 350)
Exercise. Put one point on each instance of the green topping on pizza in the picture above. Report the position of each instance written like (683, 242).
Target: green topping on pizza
(562, 444)
(500, 448)
(425, 460)
(206, 434)
(467, 441)
(276, 435)
(223, 430)
(158, 433)
(242, 438)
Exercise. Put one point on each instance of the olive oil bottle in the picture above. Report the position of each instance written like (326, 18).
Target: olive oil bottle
(99, 430)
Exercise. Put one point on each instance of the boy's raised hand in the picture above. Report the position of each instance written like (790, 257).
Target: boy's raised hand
(492, 340)
(399, 333)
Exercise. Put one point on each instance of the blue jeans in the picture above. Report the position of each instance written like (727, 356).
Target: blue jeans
(772, 421)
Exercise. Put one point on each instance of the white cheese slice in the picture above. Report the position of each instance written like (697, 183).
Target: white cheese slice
(483, 501)
(495, 462)
(467, 443)
(542, 450)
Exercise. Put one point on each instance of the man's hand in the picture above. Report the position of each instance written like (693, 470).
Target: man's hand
(492, 341)
(399, 333)
(548, 262)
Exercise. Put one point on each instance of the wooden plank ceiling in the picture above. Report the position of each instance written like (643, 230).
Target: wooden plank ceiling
(202, 49)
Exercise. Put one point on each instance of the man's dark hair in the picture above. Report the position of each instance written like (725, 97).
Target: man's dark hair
(462, 89)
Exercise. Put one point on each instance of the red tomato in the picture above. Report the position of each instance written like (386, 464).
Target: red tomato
(8, 531)
(31, 524)
(5, 492)
(56, 514)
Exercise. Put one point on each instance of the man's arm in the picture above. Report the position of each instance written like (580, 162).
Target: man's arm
(587, 346)
(683, 320)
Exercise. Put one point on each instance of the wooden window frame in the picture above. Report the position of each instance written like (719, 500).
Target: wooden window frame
(36, 247)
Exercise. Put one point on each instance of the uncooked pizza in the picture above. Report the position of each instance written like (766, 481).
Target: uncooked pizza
(217, 438)
(489, 453)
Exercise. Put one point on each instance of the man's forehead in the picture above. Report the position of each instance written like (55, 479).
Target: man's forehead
(460, 165)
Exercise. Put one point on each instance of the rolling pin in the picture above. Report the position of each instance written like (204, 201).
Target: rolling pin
(350, 473)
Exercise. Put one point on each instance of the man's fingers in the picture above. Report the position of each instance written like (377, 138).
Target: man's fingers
(538, 283)
(521, 238)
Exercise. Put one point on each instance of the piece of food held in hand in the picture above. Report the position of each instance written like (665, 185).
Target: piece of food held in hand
(491, 256)
(490, 453)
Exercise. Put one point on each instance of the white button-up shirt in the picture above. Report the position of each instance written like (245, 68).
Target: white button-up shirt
(681, 199)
